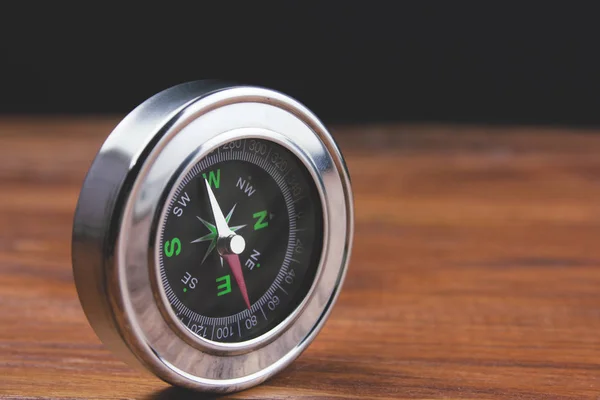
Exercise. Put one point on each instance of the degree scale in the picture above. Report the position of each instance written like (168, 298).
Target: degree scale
(212, 234)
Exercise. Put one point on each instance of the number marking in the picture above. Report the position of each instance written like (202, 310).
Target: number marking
(289, 278)
(298, 246)
(224, 332)
(273, 303)
(250, 322)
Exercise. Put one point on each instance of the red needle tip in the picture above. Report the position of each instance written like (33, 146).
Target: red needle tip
(236, 268)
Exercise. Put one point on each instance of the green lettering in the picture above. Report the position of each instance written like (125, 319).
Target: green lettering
(225, 287)
(261, 223)
(172, 247)
(214, 180)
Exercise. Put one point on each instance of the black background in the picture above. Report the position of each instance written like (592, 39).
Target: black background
(523, 63)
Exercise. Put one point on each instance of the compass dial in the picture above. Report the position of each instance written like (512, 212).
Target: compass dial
(213, 270)
(240, 241)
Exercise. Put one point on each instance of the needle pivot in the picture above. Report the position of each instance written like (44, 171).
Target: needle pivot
(232, 244)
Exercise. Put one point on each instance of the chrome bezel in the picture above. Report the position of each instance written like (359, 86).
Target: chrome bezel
(114, 231)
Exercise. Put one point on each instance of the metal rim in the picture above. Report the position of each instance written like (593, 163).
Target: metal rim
(138, 319)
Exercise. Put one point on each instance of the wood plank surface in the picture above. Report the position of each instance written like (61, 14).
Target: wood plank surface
(475, 272)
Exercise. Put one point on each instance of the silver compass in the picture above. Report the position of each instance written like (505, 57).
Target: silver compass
(212, 234)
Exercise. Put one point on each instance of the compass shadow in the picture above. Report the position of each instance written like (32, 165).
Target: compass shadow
(177, 393)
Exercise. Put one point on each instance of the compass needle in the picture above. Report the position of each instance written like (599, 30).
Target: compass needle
(245, 244)
(234, 263)
(220, 222)
(227, 236)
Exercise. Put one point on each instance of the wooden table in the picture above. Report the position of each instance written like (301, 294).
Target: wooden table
(475, 272)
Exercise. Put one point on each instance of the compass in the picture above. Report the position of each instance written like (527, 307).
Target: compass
(212, 234)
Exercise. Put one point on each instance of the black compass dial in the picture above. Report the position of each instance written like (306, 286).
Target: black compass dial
(240, 241)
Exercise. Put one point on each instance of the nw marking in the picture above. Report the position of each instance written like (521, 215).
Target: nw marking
(245, 187)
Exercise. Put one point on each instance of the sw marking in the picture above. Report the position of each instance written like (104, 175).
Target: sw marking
(183, 200)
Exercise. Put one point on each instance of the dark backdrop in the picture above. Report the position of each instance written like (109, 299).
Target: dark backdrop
(348, 61)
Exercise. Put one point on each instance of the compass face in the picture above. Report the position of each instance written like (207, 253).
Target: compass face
(240, 241)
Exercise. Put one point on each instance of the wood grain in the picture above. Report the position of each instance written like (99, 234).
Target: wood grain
(475, 272)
